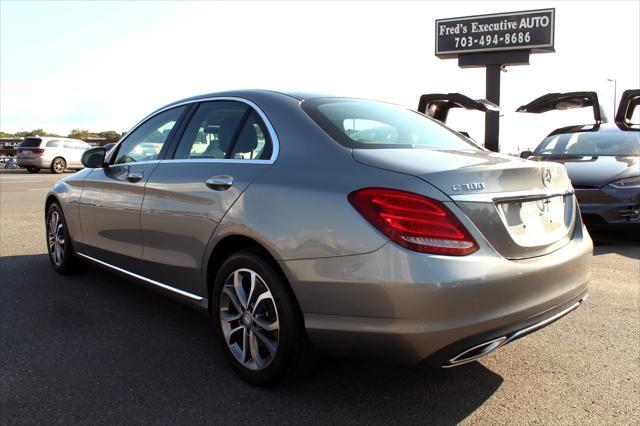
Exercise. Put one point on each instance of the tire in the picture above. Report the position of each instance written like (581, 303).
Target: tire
(271, 328)
(33, 169)
(58, 165)
(59, 244)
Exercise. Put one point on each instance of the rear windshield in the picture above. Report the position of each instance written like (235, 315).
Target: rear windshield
(357, 123)
(615, 143)
(30, 143)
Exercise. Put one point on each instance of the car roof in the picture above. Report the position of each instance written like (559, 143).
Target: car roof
(249, 94)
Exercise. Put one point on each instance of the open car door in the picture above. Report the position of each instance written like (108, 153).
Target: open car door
(628, 104)
(437, 105)
(563, 101)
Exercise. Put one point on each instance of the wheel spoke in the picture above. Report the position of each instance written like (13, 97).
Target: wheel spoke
(227, 316)
(231, 332)
(237, 285)
(255, 352)
(266, 324)
(245, 344)
(268, 342)
(252, 288)
(264, 296)
(230, 293)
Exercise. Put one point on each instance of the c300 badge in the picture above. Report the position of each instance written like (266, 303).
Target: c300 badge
(474, 186)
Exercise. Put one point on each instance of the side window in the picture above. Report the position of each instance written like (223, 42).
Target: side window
(145, 142)
(53, 144)
(69, 145)
(253, 141)
(211, 130)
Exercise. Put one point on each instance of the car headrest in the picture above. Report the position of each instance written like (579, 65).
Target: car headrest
(226, 131)
(248, 139)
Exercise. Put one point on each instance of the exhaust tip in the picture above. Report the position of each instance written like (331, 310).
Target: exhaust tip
(475, 352)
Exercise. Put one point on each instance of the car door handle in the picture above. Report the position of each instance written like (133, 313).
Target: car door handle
(135, 176)
(219, 182)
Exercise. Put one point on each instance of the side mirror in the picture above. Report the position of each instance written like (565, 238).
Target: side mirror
(525, 154)
(94, 158)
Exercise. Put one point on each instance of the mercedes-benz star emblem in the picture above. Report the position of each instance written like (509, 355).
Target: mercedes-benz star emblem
(546, 177)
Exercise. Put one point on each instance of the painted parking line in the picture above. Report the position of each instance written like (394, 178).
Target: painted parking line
(20, 181)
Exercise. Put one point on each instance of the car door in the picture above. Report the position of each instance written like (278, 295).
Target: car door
(629, 102)
(225, 146)
(112, 196)
(564, 101)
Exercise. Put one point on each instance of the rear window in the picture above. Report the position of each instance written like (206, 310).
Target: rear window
(615, 143)
(357, 123)
(30, 143)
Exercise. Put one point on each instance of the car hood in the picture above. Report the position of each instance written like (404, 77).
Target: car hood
(450, 171)
(595, 172)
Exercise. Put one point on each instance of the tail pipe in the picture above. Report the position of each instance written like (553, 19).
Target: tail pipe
(486, 348)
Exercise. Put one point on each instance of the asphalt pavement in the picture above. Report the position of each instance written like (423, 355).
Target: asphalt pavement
(95, 348)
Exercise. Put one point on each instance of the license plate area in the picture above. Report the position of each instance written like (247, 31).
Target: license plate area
(534, 223)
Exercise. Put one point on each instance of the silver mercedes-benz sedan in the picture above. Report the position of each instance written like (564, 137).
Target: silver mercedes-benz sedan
(304, 222)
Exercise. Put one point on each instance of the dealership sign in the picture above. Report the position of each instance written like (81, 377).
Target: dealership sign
(531, 30)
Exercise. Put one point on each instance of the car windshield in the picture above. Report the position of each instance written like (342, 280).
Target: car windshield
(616, 143)
(357, 123)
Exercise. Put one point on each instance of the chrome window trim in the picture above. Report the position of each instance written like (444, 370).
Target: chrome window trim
(214, 160)
(275, 142)
(131, 163)
(531, 195)
(145, 279)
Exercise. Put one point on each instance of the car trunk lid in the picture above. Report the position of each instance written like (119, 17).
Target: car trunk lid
(523, 208)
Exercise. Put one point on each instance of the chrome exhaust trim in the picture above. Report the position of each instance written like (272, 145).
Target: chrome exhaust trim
(475, 352)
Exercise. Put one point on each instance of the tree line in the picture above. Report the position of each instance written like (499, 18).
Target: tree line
(109, 135)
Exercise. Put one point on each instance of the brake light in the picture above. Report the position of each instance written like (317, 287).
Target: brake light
(34, 150)
(414, 221)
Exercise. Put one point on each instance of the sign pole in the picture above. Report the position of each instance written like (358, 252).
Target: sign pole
(492, 118)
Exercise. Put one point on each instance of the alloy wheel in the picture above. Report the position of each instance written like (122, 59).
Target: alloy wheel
(59, 165)
(55, 238)
(249, 319)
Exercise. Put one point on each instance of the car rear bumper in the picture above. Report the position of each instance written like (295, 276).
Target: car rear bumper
(404, 306)
(33, 162)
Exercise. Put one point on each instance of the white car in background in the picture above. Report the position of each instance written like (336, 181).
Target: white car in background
(53, 153)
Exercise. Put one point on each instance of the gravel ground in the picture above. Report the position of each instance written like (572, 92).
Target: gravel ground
(95, 348)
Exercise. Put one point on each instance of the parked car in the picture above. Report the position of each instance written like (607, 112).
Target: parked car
(53, 153)
(602, 159)
(10, 163)
(109, 146)
(295, 236)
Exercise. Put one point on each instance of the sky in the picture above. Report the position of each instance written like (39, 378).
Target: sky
(105, 65)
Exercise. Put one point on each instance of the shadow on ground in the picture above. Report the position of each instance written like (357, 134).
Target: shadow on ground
(96, 348)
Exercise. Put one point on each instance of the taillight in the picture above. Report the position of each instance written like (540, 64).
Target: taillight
(414, 221)
(38, 151)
